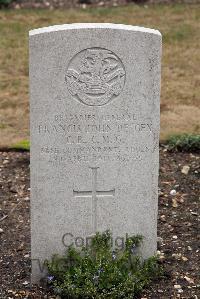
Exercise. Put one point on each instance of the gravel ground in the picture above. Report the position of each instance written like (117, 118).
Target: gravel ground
(178, 227)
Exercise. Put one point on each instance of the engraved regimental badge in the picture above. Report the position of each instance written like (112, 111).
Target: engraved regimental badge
(95, 76)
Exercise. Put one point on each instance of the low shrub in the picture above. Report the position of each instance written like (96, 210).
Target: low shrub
(97, 271)
(185, 142)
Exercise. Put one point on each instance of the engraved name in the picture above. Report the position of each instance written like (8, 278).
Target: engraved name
(61, 128)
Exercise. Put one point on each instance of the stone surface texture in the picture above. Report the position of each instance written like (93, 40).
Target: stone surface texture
(95, 91)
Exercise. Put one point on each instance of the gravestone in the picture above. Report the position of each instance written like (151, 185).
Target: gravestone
(94, 92)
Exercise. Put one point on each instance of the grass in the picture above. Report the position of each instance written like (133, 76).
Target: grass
(21, 145)
(179, 24)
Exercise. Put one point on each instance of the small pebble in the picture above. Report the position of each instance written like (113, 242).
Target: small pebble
(1, 230)
(194, 213)
(163, 218)
(174, 203)
(175, 237)
(185, 169)
(25, 283)
(177, 286)
(177, 256)
(188, 279)
(189, 248)
(173, 192)
(184, 258)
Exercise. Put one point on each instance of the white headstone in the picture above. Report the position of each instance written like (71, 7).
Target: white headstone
(95, 92)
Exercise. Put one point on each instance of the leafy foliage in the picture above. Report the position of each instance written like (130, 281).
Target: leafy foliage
(185, 142)
(99, 272)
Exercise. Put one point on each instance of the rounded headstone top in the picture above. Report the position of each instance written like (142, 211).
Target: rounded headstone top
(79, 26)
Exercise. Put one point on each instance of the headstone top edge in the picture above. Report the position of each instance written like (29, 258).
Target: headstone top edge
(79, 26)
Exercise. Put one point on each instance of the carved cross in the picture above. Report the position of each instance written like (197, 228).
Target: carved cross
(94, 194)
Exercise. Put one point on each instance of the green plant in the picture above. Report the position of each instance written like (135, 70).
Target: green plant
(185, 142)
(23, 145)
(101, 273)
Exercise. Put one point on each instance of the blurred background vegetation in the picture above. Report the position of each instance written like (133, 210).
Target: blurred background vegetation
(178, 23)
